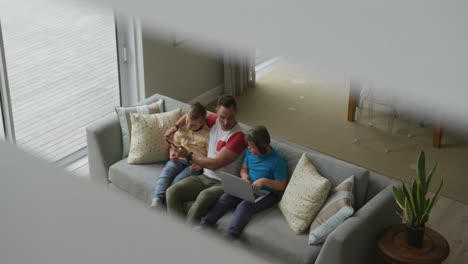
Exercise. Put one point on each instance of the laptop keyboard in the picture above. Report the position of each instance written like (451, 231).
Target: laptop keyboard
(261, 192)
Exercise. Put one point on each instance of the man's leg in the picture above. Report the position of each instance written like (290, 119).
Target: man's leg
(185, 190)
(224, 203)
(205, 199)
(166, 177)
(244, 212)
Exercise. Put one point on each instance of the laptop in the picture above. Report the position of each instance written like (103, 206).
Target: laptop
(235, 185)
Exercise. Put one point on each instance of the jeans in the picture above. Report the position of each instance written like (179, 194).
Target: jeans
(242, 215)
(171, 174)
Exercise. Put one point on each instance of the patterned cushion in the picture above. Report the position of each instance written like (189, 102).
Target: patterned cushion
(123, 113)
(304, 195)
(148, 144)
(337, 208)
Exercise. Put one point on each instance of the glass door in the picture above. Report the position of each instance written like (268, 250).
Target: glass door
(6, 131)
(61, 73)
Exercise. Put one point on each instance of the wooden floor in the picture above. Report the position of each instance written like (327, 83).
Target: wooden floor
(62, 69)
(449, 218)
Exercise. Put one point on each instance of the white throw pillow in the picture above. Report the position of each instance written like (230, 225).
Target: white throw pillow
(304, 195)
(123, 113)
(148, 144)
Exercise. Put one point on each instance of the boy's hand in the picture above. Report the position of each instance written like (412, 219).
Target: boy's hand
(171, 131)
(174, 158)
(195, 167)
(173, 155)
(245, 177)
(258, 184)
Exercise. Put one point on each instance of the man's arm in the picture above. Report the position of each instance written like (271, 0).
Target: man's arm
(210, 121)
(224, 158)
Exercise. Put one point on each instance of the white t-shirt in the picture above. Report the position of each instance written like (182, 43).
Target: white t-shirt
(232, 139)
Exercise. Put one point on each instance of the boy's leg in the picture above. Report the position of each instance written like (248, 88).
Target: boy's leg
(244, 212)
(224, 203)
(205, 199)
(166, 177)
(184, 173)
(185, 190)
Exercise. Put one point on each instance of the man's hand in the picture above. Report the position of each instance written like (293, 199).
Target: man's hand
(245, 177)
(195, 167)
(258, 184)
(171, 131)
(182, 152)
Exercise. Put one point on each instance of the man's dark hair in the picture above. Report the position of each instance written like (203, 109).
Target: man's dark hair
(260, 137)
(227, 101)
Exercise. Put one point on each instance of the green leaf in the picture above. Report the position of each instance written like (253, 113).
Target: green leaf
(416, 197)
(429, 179)
(401, 215)
(423, 219)
(436, 196)
(409, 213)
(399, 197)
(422, 167)
(408, 197)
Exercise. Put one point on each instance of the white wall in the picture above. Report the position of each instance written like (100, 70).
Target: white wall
(415, 48)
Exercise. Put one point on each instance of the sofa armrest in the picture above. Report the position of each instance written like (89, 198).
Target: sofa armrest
(355, 241)
(104, 138)
(104, 146)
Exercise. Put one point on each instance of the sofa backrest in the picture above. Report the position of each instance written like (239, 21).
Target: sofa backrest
(333, 169)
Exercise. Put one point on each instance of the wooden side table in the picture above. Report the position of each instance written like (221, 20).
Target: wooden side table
(394, 249)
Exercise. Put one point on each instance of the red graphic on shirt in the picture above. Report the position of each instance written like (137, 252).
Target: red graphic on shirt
(220, 145)
(235, 143)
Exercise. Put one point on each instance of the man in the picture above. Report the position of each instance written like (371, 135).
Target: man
(225, 146)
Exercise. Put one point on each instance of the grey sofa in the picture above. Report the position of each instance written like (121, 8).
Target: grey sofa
(354, 241)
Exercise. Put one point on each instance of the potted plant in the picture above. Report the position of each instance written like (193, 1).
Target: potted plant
(414, 203)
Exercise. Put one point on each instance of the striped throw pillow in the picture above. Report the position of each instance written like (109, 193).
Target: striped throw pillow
(337, 208)
(123, 113)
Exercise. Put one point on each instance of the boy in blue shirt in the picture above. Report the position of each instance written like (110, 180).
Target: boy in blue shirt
(266, 169)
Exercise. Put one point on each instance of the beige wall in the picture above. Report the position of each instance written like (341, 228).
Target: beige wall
(180, 72)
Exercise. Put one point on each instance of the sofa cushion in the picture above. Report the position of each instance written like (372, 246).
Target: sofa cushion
(268, 233)
(123, 113)
(138, 180)
(148, 144)
(337, 208)
(331, 168)
(304, 195)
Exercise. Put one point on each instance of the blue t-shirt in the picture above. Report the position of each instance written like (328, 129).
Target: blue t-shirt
(271, 166)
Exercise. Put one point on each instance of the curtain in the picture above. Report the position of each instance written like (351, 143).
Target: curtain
(239, 71)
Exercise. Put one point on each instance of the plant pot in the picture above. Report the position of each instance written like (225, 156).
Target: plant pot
(414, 235)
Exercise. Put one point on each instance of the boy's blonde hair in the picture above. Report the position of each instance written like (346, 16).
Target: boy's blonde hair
(196, 111)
